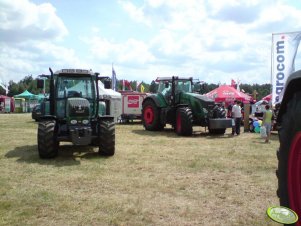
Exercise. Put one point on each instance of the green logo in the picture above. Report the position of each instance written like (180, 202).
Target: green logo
(282, 215)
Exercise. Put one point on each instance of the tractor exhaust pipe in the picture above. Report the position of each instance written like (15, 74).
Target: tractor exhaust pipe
(51, 94)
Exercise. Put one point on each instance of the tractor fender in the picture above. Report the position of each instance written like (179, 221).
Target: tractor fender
(154, 98)
(47, 117)
(293, 85)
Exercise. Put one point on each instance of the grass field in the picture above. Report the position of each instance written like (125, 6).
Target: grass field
(153, 179)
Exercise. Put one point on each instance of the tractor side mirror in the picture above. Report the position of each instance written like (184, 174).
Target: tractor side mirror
(40, 83)
(107, 84)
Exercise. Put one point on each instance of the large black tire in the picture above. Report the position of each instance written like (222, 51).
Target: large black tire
(218, 112)
(184, 121)
(47, 140)
(151, 116)
(107, 138)
(289, 158)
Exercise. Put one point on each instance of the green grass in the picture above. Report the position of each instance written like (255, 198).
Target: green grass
(155, 178)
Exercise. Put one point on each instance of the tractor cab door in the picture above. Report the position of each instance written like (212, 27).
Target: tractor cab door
(165, 88)
(180, 88)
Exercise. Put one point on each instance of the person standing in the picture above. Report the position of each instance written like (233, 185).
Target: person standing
(267, 122)
(236, 114)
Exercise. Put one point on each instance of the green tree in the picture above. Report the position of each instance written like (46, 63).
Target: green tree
(153, 87)
(13, 88)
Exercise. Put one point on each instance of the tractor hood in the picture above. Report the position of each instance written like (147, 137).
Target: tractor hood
(197, 101)
(203, 98)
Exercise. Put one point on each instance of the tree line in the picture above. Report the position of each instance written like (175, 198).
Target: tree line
(29, 83)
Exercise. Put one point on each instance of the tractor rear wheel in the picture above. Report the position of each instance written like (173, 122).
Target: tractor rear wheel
(151, 116)
(47, 139)
(107, 138)
(289, 156)
(184, 121)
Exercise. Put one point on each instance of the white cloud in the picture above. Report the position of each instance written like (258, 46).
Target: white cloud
(130, 52)
(218, 38)
(22, 20)
(28, 39)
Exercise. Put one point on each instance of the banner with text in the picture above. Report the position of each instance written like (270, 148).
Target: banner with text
(284, 49)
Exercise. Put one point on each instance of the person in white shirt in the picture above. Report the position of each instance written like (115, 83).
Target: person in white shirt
(236, 115)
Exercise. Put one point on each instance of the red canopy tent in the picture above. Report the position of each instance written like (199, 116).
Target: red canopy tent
(267, 98)
(228, 94)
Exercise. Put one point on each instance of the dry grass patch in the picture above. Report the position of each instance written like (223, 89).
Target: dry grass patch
(155, 178)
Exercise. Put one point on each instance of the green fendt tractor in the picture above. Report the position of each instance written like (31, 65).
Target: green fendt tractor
(176, 104)
(289, 153)
(75, 112)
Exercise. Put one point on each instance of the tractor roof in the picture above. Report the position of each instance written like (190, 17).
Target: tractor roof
(175, 77)
(75, 71)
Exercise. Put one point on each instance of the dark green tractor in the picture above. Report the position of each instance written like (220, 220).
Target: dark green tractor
(176, 104)
(75, 112)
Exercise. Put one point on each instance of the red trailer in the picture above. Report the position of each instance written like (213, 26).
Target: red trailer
(131, 105)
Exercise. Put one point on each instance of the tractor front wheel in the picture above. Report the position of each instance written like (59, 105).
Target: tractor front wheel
(289, 156)
(151, 116)
(47, 139)
(107, 138)
(184, 121)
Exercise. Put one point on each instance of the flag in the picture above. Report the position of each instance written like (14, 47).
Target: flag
(284, 49)
(123, 85)
(114, 79)
(233, 84)
(142, 88)
(137, 85)
(238, 85)
(126, 84)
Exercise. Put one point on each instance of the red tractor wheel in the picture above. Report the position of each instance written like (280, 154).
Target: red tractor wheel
(150, 116)
(289, 157)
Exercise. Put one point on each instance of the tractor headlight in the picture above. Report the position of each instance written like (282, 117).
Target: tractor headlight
(85, 121)
(73, 122)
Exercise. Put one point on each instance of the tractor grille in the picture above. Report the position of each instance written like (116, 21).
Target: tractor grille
(78, 107)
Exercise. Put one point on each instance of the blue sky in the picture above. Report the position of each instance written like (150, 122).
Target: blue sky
(214, 41)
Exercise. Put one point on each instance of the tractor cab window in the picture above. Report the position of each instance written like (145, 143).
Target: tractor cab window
(164, 87)
(75, 87)
(184, 86)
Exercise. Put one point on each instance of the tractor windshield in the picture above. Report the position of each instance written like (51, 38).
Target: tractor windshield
(75, 87)
(69, 86)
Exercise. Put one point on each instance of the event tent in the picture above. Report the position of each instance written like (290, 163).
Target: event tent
(26, 95)
(31, 99)
(267, 98)
(228, 94)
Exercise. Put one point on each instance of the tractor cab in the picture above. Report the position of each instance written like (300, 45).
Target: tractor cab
(72, 89)
(172, 87)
